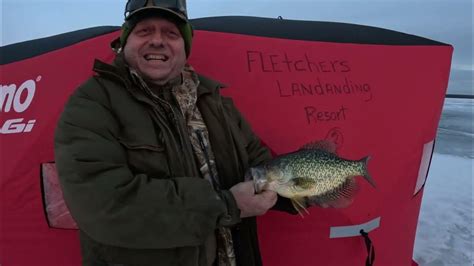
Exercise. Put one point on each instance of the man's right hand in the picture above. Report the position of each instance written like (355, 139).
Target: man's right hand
(249, 203)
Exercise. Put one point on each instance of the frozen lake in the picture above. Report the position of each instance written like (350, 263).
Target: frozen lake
(445, 233)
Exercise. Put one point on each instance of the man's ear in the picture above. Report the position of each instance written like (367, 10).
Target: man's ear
(116, 45)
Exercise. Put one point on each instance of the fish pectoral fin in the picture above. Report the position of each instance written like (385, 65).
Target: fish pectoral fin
(341, 197)
(349, 189)
(303, 183)
(299, 205)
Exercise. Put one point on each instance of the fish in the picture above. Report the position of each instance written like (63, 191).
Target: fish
(313, 174)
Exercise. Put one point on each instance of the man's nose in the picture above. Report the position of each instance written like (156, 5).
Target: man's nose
(157, 39)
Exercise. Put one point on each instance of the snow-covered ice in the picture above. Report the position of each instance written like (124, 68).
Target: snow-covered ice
(445, 233)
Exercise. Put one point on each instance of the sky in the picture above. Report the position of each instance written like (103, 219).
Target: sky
(448, 21)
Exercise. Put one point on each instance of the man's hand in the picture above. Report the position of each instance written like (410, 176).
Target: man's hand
(249, 203)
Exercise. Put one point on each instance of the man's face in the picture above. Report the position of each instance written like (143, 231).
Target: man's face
(155, 48)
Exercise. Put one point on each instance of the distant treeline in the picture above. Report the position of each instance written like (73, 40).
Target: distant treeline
(459, 96)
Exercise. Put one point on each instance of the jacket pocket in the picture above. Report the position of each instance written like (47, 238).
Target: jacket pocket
(141, 146)
(146, 157)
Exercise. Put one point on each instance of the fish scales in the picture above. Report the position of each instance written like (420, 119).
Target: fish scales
(326, 169)
(313, 174)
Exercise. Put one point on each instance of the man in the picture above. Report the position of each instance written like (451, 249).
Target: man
(151, 158)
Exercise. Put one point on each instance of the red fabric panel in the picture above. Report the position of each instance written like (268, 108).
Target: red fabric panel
(26, 238)
(394, 115)
(57, 212)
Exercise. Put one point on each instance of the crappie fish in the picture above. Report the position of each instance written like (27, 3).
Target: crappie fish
(313, 174)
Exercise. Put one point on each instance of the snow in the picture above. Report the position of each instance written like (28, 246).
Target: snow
(445, 233)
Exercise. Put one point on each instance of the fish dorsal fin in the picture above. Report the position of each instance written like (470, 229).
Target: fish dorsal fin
(325, 145)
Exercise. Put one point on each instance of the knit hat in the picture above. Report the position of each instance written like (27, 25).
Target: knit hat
(172, 10)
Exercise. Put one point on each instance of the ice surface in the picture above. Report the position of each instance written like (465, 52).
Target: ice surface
(445, 233)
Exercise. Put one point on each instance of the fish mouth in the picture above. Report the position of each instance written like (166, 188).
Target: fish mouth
(259, 185)
(259, 179)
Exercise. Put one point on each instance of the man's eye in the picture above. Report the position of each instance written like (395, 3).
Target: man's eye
(143, 31)
(174, 34)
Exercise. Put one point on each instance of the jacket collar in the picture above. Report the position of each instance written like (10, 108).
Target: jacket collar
(119, 70)
(208, 85)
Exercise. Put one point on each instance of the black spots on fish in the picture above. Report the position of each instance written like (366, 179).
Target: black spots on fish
(322, 175)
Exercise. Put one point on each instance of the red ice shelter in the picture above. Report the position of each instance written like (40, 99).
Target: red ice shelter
(373, 91)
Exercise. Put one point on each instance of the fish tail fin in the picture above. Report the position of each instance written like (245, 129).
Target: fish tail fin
(365, 171)
(299, 206)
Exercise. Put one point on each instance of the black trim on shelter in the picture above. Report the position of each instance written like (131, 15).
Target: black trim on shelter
(24, 50)
(265, 27)
(309, 30)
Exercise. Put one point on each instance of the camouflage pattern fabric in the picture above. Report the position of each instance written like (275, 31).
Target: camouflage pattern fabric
(186, 96)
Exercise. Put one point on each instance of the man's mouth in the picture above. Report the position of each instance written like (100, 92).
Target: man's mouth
(152, 57)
